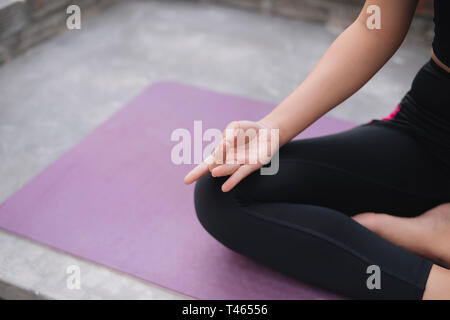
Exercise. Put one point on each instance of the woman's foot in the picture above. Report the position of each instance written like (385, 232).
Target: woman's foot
(438, 284)
(427, 235)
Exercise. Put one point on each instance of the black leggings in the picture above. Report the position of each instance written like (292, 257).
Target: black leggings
(298, 221)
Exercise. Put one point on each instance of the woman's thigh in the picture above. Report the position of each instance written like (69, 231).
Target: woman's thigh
(368, 168)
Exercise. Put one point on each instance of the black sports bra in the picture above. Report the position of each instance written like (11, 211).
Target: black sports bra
(441, 42)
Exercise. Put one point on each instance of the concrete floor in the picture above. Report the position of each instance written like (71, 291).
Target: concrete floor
(56, 93)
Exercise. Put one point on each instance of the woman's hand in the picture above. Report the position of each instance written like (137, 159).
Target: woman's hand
(244, 148)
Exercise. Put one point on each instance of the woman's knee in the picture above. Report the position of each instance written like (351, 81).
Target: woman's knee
(211, 204)
(222, 214)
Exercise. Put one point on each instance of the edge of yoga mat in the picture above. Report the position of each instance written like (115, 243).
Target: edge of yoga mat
(31, 212)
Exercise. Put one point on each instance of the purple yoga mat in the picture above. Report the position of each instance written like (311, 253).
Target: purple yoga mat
(118, 200)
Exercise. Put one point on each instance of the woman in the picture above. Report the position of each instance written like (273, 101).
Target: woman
(315, 219)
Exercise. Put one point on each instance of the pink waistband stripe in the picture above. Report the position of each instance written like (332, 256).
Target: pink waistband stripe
(393, 114)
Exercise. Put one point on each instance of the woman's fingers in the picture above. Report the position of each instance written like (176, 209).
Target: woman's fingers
(217, 158)
(224, 170)
(236, 148)
(229, 135)
(237, 177)
(219, 155)
(196, 173)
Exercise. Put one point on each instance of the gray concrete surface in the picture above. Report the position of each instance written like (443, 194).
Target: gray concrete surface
(56, 93)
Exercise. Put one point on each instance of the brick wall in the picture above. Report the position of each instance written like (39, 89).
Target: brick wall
(25, 23)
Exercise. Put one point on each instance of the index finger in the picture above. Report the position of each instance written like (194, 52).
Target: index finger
(238, 176)
(196, 173)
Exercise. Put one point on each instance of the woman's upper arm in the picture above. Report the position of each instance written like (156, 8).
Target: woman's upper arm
(395, 18)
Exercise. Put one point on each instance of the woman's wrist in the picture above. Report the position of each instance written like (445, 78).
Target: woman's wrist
(272, 124)
(268, 123)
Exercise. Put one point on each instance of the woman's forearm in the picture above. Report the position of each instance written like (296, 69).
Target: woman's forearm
(354, 57)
